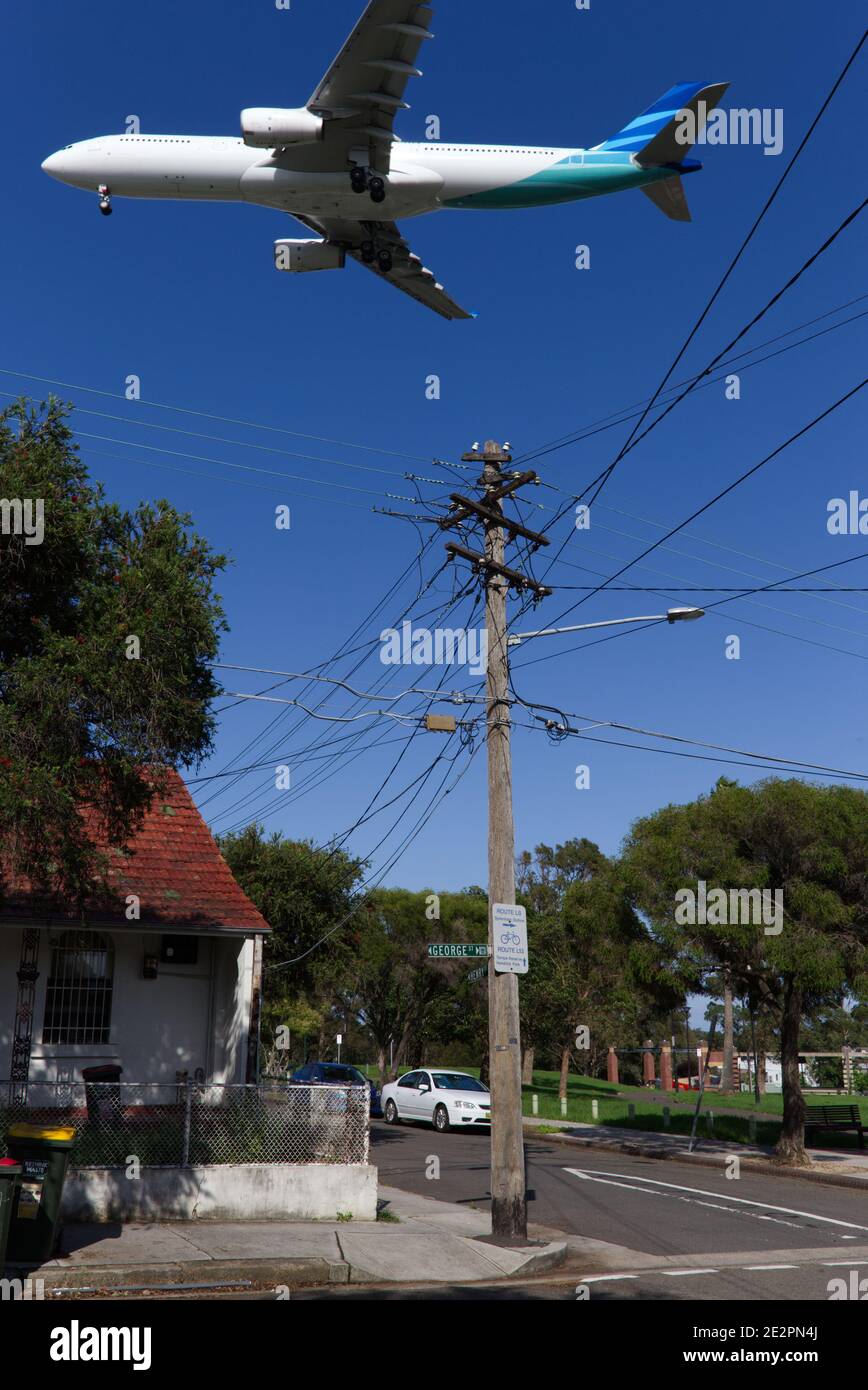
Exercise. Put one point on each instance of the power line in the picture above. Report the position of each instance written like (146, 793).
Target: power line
(223, 463)
(793, 763)
(369, 617)
(236, 482)
(717, 589)
(218, 419)
(627, 413)
(369, 887)
(699, 757)
(744, 245)
(799, 434)
(281, 802)
(710, 544)
(329, 718)
(637, 439)
(685, 587)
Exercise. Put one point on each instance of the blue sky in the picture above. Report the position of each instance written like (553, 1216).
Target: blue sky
(186, 297)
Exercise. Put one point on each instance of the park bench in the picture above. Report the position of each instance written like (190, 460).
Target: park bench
(834, 1117)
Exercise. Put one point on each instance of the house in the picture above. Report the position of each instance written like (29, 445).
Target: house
(162, 976)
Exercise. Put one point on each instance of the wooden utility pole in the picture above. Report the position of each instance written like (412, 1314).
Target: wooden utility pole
(508, 1193)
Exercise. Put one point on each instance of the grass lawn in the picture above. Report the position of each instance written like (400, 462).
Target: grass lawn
(613, 1102)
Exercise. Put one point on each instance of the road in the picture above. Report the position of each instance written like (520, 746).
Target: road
(756, 1237)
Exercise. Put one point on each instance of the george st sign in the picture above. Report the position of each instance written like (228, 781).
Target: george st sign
(456, 950)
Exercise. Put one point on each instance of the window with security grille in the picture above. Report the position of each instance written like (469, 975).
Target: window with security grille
(78, 995)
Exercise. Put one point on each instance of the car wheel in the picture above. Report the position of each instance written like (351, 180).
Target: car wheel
(441, 1119)
(390, 1113)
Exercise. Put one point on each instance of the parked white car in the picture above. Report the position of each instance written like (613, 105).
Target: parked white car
(444, 1099)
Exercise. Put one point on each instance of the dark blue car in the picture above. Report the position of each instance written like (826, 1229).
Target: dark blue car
(336, 1074)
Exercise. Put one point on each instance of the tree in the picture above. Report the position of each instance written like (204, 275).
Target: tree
(108, 628)
(807, 843)
(593, 964)
(403, 996)
(303, 892)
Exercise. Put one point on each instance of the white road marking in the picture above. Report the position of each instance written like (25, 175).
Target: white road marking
(842, 1264)
(601, 1278)
(701, 1192)
(770, 1266)
(681, 1273)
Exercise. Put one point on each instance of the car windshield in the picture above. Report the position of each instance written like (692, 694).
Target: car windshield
(350, 1076)
(456, 1081)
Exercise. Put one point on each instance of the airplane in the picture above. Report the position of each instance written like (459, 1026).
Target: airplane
(337, 166)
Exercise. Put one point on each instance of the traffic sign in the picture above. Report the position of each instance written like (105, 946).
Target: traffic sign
(509, 928)
(456, 949)
(478, 974)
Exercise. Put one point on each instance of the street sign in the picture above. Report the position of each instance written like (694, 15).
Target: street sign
(509, 929)
(479, 974)
(457, 949)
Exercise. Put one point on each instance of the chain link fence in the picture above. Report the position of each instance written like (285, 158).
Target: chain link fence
(191, 1124)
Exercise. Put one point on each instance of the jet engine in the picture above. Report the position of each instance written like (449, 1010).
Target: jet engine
(266, 127)
(300, 256)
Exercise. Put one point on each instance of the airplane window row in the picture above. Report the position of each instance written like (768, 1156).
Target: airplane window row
(486, 149)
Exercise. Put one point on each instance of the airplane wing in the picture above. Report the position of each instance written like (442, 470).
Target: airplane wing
(407, 272)
(363, 89)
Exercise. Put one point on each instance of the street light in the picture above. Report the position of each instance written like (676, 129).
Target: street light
(673, 615)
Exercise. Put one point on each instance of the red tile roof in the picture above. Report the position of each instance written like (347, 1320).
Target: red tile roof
(173, 866)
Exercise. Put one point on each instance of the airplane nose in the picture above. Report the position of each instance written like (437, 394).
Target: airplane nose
(52, 164)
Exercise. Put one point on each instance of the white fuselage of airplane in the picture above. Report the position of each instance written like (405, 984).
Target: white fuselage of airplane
(422, 178)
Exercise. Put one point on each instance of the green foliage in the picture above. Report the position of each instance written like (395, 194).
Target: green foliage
(403, 995)
(593, 962)
(303, 892)
(80, 723)
(808, 842)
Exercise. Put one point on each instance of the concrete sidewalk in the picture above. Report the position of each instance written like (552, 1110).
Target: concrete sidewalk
(432, 1241)
(832, 1166)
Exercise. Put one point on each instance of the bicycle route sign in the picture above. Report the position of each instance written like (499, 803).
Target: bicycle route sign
(509, 928)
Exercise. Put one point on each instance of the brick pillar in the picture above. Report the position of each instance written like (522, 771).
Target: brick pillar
(665, 1067)
(649, 1074)
(612, 1067)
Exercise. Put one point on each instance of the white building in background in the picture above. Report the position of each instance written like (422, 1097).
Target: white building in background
(161, 977)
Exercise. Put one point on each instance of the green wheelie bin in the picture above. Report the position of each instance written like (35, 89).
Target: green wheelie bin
(43, 1153)
(10, 1172)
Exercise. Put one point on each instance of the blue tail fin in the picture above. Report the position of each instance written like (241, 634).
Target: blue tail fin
(653, 138)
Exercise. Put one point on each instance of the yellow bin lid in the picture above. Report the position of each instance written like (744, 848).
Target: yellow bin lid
(40, 1132)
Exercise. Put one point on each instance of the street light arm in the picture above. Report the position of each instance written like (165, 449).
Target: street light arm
(674, 615)
(517, 637)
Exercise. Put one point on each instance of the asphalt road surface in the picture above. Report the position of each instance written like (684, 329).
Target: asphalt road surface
(756, 1237)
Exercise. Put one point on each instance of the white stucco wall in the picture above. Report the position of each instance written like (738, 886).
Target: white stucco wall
(191, 1016)
(243, 1192)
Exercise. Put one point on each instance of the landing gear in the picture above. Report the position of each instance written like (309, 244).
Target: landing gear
(368, 252)
(384, 261)
(105, 200)
(363, 181)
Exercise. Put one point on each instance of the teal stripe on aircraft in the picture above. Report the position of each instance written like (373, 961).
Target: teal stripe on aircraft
(564, 182)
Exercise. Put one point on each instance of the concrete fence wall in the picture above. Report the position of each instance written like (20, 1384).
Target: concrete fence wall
(242, 1192)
